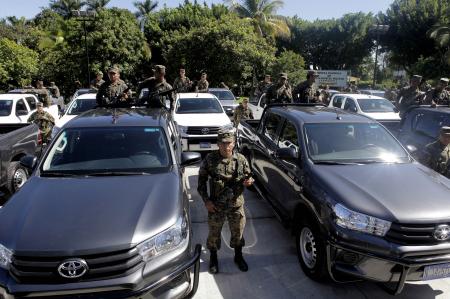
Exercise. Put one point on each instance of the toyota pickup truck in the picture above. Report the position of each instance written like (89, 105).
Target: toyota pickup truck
(16, 141)
(357, 202)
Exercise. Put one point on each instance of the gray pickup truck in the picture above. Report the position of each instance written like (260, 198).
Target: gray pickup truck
(16, 141)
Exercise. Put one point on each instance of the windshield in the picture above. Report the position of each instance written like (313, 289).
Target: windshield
(223, 95)
(5, 107)
(198, 105)
(352, 142)
(81, 105)
(93, 150)
(375, 105)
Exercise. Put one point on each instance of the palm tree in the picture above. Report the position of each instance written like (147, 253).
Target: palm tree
(262, 14)
(441, 34)
(144, 7)
(97, 4)
(65, 7)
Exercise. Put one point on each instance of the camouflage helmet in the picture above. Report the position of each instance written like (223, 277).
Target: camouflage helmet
(226, 134)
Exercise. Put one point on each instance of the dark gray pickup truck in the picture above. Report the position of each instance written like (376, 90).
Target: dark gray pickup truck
(16, 141)
(357, 202)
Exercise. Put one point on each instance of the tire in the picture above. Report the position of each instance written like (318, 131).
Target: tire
(17, 176)
(311, 251)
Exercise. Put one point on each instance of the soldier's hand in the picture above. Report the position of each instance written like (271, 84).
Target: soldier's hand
(248, 182)
(210, 206)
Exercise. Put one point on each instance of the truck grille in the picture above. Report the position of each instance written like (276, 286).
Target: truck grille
(202, 130)
(413, 234)
(34, 270)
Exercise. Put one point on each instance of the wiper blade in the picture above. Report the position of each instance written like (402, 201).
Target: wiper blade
(57, 174)
(335, 163)
(116, 173)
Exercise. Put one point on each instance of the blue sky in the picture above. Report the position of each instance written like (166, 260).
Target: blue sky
(305, 9)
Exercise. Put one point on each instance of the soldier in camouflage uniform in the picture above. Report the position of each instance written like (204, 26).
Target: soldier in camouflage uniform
(115, 91)
(97, 81)
(280, 92)
(182, 83)
(306, 92)
(156, 85)
(242, 112)
(228, 174)
(263, 86)
(438, 95)
(44, 120)
(203, 84)
(437, 154)
(409, 95)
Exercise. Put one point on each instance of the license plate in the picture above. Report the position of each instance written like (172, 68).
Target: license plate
(436, 271)
(205, 144)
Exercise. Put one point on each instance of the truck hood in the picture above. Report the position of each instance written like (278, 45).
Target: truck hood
(89, 214)
(405, 193)
(63, 120)
(202, 120)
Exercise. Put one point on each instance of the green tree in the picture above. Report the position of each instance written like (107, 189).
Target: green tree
(97, 4)
(262, 14)
(291, 63)
(144, 7)
(228, 49)
(441, 34)
(18, 64)
(65, 7)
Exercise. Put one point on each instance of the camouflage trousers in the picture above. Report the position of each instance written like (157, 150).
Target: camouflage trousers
(236, 221)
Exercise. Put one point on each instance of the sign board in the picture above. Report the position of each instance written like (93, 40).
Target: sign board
(332, 78)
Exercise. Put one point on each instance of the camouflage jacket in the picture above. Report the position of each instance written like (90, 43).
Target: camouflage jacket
(112, 93)
(305, 93)
(406, 97)
(261, 88)
(182, 84)
(437, 157)
(96, 84)
(434, 97)
(242, 113)
(279, 94)
(154, 87)
(202, 86)
(44, 120)
(226, 178)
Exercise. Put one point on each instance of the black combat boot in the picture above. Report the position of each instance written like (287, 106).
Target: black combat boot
(213, 263)
(239, 260)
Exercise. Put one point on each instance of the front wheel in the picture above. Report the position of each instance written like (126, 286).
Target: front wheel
(17, 176)
(311, 252)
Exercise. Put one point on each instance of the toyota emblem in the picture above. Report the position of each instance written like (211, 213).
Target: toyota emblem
(442, 232)
(205, 131)
(74, 268)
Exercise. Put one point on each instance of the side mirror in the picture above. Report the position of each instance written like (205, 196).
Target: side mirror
(287, 153)
(396, 110)
(22, 112)
(29, 162)
(411, 148)
(189, 158)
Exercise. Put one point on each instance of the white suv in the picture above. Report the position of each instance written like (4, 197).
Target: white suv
(199, 117)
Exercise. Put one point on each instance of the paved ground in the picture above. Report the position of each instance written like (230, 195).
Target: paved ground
(274, 269)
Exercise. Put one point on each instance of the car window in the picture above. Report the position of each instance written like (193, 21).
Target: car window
(288, 137)
(271, 124)
(375, 105)
(350, 105)
(352, 142)
(430, 124)
(116, 149)
(31, 102)
(198, 105)
(5, 107)
(223, 95)
(81, 105)
(262, 103)
(20, 106)
(337, 101)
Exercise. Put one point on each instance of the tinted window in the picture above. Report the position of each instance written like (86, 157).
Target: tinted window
(198, 105)
(375, 105)
(350, 105)
(337, 101)
(431, 123)
(288, 136)
(31, 102)
(352, 142)
(262, 103)
(223, 95)
(89, 150)
(81, 105)
(271, 125)
(20, 106)
(5, 107)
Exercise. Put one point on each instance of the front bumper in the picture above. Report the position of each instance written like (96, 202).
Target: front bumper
(174, 284)
(199, 143)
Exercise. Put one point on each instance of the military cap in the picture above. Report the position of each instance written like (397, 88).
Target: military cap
(99, 73)
(113, 69)
(160, 68)
(312, 72)
(39, 104)
(418, 77)
(444, 80)
(226, 134)
(445, 131)
(245, 100)
(267, 75)
(283, 75)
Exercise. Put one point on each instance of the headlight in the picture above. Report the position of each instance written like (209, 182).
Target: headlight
(165, 241)
(182, 129)
(5, 257)
(360, 222)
